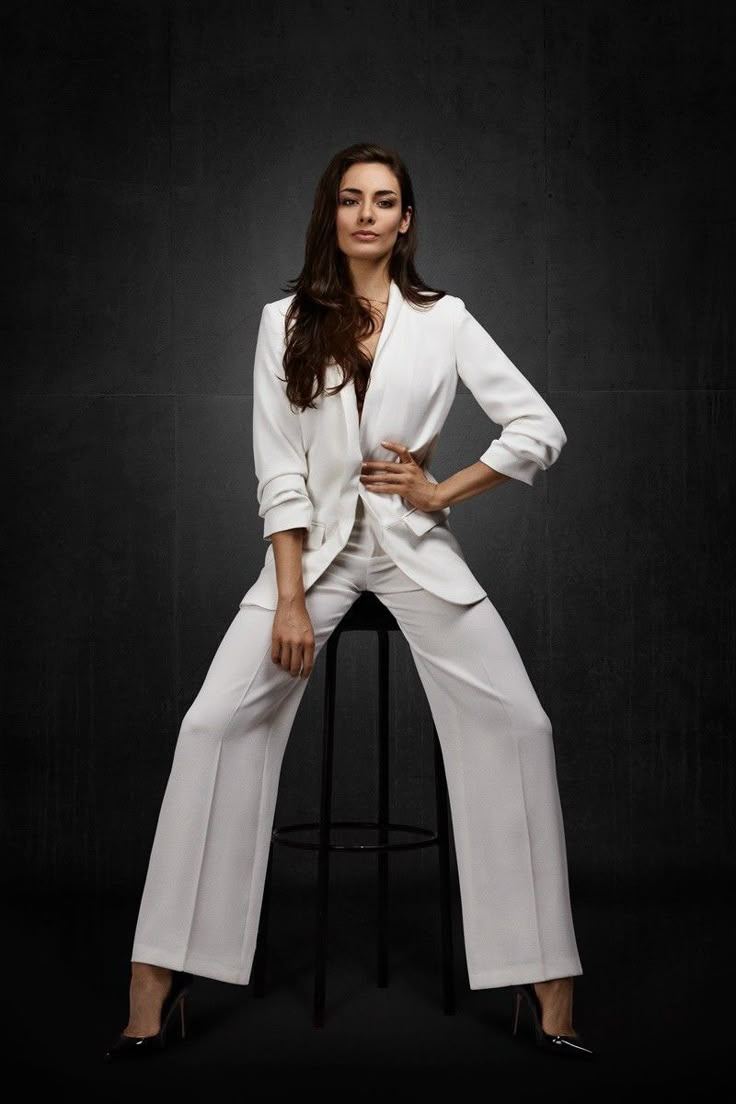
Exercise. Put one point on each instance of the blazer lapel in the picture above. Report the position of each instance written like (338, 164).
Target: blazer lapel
(357, 431)
(376, 391)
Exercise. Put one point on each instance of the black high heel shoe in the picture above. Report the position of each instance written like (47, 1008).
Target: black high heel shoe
(132, 1046)
(571, 1046)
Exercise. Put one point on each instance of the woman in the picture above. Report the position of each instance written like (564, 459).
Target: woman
(355, 372)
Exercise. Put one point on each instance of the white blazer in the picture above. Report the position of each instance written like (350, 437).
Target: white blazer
(308, 463)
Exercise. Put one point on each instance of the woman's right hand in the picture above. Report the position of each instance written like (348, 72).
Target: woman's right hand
(292, 637)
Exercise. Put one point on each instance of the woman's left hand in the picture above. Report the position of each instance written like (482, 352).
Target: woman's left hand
(404, 478)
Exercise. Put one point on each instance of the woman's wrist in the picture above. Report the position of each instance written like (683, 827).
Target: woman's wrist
(292, 596)
(287, 551)
(440, 496)
(467, 483)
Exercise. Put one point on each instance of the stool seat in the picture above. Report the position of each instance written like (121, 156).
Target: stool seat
(367, 614)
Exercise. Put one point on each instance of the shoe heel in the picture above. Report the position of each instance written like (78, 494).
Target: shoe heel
(171, 1013)
(515, 1013)
(527, 993)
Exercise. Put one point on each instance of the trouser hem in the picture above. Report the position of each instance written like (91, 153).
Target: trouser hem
(523, 973)
(191, 963)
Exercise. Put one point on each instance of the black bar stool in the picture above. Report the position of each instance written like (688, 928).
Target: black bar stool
(366, 614)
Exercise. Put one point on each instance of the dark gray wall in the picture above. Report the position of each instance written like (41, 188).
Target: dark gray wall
(571, 163)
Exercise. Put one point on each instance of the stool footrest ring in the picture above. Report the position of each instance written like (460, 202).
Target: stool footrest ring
(281, 835)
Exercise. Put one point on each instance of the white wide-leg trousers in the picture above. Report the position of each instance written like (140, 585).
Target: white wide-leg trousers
(203, 891)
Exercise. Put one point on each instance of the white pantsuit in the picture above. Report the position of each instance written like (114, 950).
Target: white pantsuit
(204, 887)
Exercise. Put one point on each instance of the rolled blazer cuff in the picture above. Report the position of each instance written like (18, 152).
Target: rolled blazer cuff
(508, 463)
(289, 515)
(285, 504)
(521, 459)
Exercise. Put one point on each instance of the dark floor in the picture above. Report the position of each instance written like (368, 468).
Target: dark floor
(652, 1003)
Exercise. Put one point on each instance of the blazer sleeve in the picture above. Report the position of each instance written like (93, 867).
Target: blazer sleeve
(532, 436)
(280, 461)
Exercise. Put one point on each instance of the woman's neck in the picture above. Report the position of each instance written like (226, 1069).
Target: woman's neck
(372, 285)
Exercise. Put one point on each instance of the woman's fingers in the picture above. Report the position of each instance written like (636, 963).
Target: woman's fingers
(295, 656)
(308, 660)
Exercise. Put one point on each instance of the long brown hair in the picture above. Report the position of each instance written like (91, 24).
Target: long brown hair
(325, 319)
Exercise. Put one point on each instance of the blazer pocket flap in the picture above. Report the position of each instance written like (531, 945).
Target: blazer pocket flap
(420, 521)
(316, 535)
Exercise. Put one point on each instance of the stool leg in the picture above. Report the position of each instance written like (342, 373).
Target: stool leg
(325, 814)
(259, 962)
(383, 810)
(443, 853)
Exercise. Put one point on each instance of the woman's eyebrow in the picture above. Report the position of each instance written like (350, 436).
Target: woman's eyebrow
(380, 191)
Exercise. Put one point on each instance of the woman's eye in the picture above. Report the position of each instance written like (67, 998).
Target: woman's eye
(387, 202)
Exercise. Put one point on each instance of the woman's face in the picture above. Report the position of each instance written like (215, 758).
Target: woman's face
(369, 199)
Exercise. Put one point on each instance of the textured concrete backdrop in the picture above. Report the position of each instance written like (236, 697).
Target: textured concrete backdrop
(571, 165)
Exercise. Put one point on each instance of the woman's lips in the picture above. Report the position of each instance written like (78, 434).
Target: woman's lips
(365, 236)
